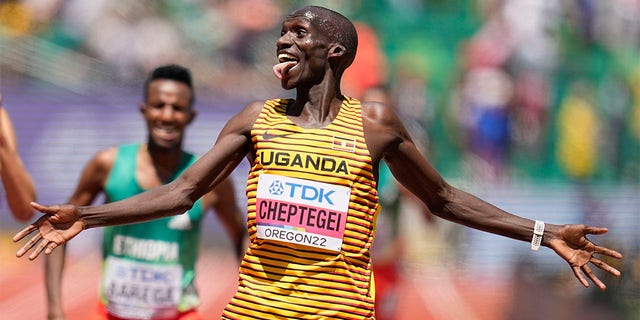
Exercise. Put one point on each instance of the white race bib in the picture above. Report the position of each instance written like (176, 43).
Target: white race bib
(301, 211)
(137, 290)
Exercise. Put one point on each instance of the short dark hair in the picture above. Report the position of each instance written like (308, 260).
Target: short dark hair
(170, 72)
(337, 28)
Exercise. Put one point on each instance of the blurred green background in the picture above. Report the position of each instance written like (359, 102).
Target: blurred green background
(531, 105)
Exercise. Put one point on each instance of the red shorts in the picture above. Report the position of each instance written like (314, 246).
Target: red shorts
(101, 313)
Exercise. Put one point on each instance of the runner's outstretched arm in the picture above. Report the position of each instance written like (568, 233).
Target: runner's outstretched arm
(61, 223)
(391, 141)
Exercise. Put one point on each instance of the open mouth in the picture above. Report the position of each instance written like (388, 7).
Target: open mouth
(165, 133)
(286, 62)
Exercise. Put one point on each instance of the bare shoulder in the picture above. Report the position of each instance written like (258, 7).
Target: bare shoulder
(374, 111)
(243, 120)
(103, 159)
(94, 175)
(382, 127)
(253, 108)
(107, 155)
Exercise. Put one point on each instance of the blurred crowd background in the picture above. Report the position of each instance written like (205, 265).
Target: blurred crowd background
(532, 105)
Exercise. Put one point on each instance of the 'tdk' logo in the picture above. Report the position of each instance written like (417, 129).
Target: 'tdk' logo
(300, 191)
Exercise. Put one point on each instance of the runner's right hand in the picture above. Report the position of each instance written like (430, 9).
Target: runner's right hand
(59, 224)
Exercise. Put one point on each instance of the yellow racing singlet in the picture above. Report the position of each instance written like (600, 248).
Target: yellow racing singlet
(312, 205)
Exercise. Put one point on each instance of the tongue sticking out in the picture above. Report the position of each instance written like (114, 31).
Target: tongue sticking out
(280, 69)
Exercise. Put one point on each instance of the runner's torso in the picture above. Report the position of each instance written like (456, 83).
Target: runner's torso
(312, 203)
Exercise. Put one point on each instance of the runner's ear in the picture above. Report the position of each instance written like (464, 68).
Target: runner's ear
(336, 50)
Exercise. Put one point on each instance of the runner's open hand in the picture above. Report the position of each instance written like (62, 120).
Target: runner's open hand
(59, 224)
(572, 245)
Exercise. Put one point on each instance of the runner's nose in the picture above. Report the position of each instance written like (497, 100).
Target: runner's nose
(166, 113)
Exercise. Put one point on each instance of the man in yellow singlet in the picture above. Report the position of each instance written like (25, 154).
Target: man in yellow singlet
(312, 189)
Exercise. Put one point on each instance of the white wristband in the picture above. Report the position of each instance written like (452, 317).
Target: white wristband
(538, 231)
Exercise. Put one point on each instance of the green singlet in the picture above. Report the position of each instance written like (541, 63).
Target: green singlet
(148, 268)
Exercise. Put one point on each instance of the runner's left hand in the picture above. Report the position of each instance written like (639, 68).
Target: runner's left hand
(570, 243)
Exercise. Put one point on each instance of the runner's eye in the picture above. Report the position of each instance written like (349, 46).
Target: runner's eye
(300, 32)
(178, 108)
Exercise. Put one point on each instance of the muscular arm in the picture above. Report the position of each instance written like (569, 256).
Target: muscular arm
(173, 198)
(178, 196)
(388, 139)
(17, 182)
(92, 181)
(63, 222)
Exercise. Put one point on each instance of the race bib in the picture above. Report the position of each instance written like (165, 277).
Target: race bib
(136, 290)
(301, 211)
